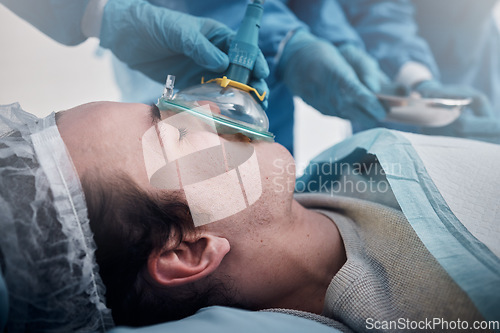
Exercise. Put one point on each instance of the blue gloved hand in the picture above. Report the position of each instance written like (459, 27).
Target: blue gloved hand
(314, 70)
(261, 86)
(470, 126)
(158, 41)
(367, 68)
(480, 104)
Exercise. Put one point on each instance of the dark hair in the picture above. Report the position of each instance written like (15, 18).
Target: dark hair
(128, 224)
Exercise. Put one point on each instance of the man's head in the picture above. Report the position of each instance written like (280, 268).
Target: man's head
(152, 256)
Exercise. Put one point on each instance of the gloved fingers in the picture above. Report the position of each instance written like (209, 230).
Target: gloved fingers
(366, 68)
(203, 40)
(364, 100)
(374, 80)
(217, 33)
(223, 41)
(206, 54)
(481, 105)
(430, 89)
(261, 68)
(371, 106)
(318, 73)
(261, 87)
(359, 105)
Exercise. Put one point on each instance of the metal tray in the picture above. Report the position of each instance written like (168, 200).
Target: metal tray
(429, 112)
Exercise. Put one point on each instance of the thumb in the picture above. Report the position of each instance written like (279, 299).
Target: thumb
(261, 69)
(481, 106)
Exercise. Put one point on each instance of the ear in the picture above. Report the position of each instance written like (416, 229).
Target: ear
(189, 261)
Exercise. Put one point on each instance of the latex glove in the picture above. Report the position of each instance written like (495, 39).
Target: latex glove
(367, 68)
(261, 86)
(314, 70)
(470, 126)
(480, 104)
(158, 41)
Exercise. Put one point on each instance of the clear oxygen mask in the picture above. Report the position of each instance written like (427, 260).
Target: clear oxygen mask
(224, 102)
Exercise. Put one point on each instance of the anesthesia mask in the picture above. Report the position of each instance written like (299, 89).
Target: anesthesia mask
(229, 102)
(232, 109)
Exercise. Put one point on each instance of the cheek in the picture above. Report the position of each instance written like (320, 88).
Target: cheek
(278, 169)
(196, 141)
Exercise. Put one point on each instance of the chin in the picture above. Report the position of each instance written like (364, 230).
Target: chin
(278, 150)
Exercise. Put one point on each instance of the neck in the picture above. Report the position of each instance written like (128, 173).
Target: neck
(323, 254)
(289, 260)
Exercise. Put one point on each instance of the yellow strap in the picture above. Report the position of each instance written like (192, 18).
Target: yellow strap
(224, 82)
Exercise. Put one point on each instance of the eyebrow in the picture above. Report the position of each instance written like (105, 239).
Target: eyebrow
(154, 112)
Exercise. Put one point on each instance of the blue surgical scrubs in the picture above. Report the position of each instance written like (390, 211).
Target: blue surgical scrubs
(383, 28)
(465, 41)
(458, 40)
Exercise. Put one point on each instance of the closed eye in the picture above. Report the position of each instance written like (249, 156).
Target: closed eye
(155, 115)
(182, 133)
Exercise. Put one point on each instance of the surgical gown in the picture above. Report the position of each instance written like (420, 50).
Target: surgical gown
(465, 41)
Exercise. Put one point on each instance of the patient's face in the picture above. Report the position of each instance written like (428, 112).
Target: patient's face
(220, 175)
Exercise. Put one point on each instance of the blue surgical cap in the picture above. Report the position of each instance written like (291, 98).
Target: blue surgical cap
(46, 245)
